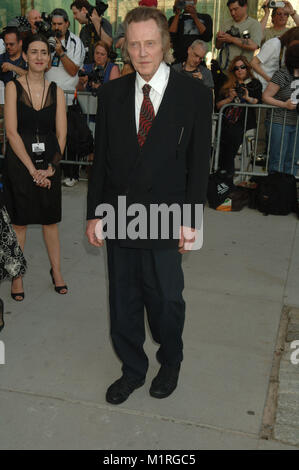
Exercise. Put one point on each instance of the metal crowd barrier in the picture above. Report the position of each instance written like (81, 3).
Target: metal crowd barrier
(248, 153)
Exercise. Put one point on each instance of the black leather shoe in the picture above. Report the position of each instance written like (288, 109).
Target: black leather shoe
(165, 382)
(121, 389)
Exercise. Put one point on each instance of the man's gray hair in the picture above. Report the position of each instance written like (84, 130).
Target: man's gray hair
(200, 43)
(145, 14)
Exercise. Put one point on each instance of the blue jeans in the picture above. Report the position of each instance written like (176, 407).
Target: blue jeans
(282, 159)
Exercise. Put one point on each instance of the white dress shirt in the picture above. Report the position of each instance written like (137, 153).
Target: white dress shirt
(158, 85)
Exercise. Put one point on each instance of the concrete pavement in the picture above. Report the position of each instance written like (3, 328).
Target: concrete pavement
(59, 359)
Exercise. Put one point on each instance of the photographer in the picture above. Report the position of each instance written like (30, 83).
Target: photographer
(96, 27)
(12, 63)
(240, 87)
(193, 66)
(33, 16)
(99, 72)
(279, 18)
(283, 92)
(69, 53)
(239, 35)
(186, 26)
(66, 61)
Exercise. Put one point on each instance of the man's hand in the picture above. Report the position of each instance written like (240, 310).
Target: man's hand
(7, 67)
(225, 37)
(197, 75)
(191, 10)
(187, 239)
(58, 48)
(289, 105)
(95, 18)
(94, 232)
(289, 8)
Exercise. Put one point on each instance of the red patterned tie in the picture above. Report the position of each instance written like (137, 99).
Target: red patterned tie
(147, 115)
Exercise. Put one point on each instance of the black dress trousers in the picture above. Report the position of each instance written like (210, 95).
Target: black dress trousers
(150, 279)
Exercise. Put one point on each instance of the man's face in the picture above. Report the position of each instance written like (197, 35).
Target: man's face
(58, 24)
(280, 18)
(80, 15)
(195, 56)
(145, 47)
(34, 16)
(237, 12)
(12, 45)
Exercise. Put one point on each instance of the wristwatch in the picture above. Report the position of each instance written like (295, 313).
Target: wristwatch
(62, 55)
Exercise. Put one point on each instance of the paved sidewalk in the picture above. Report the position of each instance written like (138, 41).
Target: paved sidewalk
(59, 359)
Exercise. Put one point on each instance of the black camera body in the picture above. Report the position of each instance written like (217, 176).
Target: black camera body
(240, 90)
(95, 76)
(100, 8)
(234, 32)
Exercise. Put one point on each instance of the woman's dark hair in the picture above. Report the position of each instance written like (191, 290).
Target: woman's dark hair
(289, 36)
(292, 58)
(34, 38)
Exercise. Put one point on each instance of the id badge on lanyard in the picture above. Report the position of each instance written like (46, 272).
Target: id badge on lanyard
(38, 147)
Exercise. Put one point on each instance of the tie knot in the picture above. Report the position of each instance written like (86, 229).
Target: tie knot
(146, 90)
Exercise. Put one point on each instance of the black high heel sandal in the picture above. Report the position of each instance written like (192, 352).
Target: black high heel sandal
(1, 315)
(58, 289)
(19, 294)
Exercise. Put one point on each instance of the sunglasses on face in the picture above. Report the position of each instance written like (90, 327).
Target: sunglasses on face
(240, 67)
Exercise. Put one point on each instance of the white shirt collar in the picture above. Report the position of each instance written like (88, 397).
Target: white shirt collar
(158, 81)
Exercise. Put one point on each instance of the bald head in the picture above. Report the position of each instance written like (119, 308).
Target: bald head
(33, 16)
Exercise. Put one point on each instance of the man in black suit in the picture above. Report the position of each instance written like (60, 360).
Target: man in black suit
(153, 141)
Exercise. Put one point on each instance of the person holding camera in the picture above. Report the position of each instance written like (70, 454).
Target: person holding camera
(186, 26)
(66, 61)
(283, 91)
(240, 87)
(100, 71)
(96, 27)
(240, 35)
(279, 17)
(33, 16)
(12, 63)
(193, 66)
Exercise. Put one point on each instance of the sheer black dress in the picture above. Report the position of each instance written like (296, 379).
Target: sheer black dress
(26, 202)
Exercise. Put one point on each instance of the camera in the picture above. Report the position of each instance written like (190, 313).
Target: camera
(274, 4)
(234, 32)
(246, 34)
(44, 27)
(100, 8)
(95, 76)
(182, 4)
(240, 90)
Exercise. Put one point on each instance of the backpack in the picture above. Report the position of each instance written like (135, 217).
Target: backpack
(79, 136)
(277, 194)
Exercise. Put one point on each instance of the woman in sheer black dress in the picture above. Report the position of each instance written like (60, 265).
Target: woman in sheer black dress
(35, 120)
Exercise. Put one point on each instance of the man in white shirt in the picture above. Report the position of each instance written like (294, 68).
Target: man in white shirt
(152, 147)
(66, 61)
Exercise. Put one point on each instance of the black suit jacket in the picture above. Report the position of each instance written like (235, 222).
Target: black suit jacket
(173, 165)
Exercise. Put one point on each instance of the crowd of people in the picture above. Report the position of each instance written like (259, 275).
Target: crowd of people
(40, 58)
